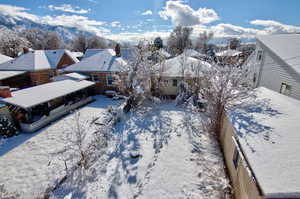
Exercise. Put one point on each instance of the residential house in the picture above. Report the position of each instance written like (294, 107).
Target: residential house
(276, 65)
(101, 68)
(172, 71)
(260, 141)
(36, 67)
(229, 56)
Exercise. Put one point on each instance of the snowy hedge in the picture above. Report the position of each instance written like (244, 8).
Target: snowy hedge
(7, 128)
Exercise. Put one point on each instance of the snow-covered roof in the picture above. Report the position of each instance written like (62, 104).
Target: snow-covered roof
(126, 53)
(33, 96)
(106, 61)
(77, 54)
(268, 131)
(31, 61)
(193, 53)
(9, 74)
(285, 46)
(37, 60)
(228, 53)
(173, 67)
(4, 58)
(72, 76)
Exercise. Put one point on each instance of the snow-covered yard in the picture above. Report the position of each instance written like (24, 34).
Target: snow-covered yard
(158, 152)
(27, 162)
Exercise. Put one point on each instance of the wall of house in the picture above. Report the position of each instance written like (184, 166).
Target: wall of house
(41, 77)
(101, 85)
(274, 72)
(166, 86)
(64, 61)
(243, 184)
(20, 81)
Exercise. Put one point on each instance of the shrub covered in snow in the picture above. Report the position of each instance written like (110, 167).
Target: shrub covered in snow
(7, 128)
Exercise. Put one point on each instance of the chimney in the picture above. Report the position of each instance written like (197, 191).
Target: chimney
(25, 50)
(5, 92)
(118, 50)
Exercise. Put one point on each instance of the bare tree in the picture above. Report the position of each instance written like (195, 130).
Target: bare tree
(234, 43)
(96, 42)
(203, 40)
(179, 40)
(11, 43)
(136, 77)
(223, 86)
(52, 41)
(80, 43)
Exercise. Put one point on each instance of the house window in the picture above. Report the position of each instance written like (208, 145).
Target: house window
(259, 55)
(110, 80)
(94, 78)
(175, 82)
(236, 157)
(285, 89)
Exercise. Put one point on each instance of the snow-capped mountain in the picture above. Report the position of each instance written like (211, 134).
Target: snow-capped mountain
(18, 24)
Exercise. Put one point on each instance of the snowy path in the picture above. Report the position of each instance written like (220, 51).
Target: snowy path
(176, 160)
(26, 161)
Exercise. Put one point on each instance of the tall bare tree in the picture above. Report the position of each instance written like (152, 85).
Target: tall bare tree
(179, 40)
(203, 40)
(80, 43)
(96, 42)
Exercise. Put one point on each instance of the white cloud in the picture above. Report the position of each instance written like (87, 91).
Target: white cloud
(116, 24)
(274, 27)
(184, 15)
(76, 21)
(147, 12)
(69, 8)
(17, 12)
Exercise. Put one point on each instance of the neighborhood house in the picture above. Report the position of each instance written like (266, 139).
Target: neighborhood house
(101, 68)
(34, 67)
(276, 63)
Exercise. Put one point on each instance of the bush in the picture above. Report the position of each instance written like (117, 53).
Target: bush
(7, 128)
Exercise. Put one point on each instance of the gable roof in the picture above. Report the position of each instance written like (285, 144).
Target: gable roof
(126, 53)
(284, 46)
(228, 53)
(4, 58)
(173, 67)
(267, 129)
(72, 76)
(37, 60)
(106, 61)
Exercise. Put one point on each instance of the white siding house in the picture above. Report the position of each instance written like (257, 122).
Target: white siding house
(277, 63)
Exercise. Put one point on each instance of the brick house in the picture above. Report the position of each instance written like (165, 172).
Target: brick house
(39, 65)
(101, 67)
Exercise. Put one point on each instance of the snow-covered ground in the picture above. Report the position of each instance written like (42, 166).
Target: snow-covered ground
(158, 152)
(28, 164)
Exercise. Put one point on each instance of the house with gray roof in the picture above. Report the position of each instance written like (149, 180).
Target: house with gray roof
(39, 66)
(101, 68)
(276, 63)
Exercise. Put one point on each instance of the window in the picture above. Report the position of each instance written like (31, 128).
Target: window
(259, 55)
(94, 78)
(236, 157)
(175, 82)
(285, 89)
(110, 80)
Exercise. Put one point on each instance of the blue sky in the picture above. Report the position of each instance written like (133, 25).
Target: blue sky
(135, 19)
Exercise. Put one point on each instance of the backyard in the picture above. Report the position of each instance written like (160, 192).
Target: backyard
(158, 151)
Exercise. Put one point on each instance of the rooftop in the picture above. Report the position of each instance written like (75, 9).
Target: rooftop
(29, 97)
(8, 74)
(106, 61)
(4, 58)
(267, 128)
(285, 46)
(37, 60)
